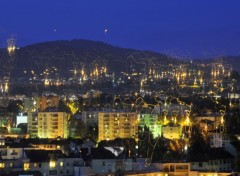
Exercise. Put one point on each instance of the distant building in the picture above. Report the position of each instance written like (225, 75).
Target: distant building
(50, 101)
(117, 125)
(52, 125)
(31, 104)
(35, 104)
(172, 108)
(6, 122)
(90, 117)
(216, 139)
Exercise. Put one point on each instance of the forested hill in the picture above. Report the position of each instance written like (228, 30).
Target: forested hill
(67, 55)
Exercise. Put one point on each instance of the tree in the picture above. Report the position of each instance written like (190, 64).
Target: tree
(23, 128)
(77, 128)
(63, 107)
(198, 145)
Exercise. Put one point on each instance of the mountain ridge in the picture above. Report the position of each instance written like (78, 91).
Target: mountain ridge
(66, 55)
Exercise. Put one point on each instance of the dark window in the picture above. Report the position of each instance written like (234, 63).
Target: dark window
(103, 163)
(67, 171)
(200, 164)
(40, 165)
(53, 172)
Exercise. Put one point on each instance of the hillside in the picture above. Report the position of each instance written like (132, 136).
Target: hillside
(68, 55)
(62, 57)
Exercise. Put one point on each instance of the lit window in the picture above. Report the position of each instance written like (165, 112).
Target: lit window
(2, 165)
(52, 164)
(35, 165)
(10, 164)
(58, 146)
(26, 166)
(61, 163)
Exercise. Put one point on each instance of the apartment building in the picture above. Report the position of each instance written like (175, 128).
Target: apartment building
(52, 125)
(117, 125)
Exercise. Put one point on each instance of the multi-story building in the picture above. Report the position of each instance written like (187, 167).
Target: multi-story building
(117, 125)
(216, 139)
(150, 121)
(52, 125)
(32, 124)
(49, 101)
(31, 104)
(90, 117)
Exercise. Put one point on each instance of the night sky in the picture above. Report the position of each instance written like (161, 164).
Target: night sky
(191, 28)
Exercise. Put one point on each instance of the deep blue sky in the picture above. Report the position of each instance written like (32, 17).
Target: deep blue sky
(196, 28)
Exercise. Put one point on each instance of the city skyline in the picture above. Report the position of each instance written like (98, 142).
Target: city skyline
(188, 29)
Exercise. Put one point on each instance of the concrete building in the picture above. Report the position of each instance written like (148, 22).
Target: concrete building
(216, 139)
(90, 117)
(52, 125)
(32, 124)
(150, 121)
(31, 104)
(50, 101)
(117, 125)
(21, 118)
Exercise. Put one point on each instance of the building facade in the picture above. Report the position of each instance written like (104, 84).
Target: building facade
(32, 124)
(150, 121)
(117, 125)
(52, 125)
